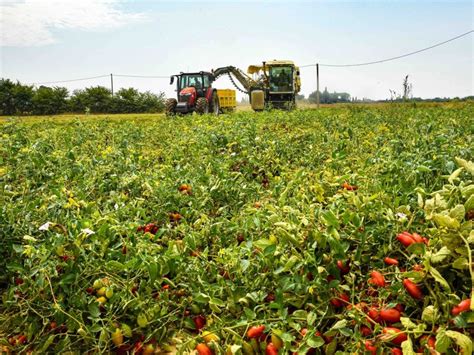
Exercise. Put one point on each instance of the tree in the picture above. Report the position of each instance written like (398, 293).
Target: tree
(50, 101)
(150, 102)
(15, 98)
(127, 101)
(97, 99)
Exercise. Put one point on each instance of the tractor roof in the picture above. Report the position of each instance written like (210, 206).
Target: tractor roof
(256, 68)
(196, 73)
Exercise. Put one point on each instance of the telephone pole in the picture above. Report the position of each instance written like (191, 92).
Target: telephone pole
(112, 84)
(317, 85)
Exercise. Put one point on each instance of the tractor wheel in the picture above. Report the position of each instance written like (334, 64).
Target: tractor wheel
(215, 107)
(202, 107)
(170, 107)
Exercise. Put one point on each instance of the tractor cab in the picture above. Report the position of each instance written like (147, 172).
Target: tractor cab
(195, 94)
(190, 87)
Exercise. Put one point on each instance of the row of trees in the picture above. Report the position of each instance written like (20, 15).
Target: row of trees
(19, 99)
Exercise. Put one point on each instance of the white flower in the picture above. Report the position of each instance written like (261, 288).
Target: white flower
(87, 231)
(401, 215)
(46, 226)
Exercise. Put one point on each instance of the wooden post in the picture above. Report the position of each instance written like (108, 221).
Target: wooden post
(317, 85)
(112, 84)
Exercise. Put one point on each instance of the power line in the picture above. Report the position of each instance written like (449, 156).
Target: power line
(71, 80)
(392, 58)
(143, 76)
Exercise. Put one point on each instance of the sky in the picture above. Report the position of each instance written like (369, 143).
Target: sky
(53, 40)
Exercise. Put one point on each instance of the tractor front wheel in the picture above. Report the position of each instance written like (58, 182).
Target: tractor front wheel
(170, 107)
(202, 106)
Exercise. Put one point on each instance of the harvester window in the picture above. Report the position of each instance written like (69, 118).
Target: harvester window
(281, 79)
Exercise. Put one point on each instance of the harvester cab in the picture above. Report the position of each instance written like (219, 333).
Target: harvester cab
(281, 82)
(196, 94)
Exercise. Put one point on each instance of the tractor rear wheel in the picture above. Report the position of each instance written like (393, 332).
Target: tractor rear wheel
(215, 107)
(202, 106)
(170, 107)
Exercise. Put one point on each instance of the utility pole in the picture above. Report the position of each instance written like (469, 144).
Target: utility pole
(112, 84)
(317, 85)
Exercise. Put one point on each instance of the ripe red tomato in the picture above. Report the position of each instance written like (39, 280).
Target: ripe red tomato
(203, 349)
(343, 267)
(413, 289)
(390, 315)
(369, 346)
(365, 331)
(390, 261)
(199, 322)
(396, 351)
(377, 279)
(463, 306)
(374, 314)
(255, 331)
(405, 238)
(429, 341)
(271, 349)
(400, 338)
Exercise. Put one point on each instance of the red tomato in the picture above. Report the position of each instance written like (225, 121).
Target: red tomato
(390, 315)
(377, 279)
(365, 331)
(21, 339)
(303, 331)
(463, 306)
(374, 314)
(369, 346)
(199, 322)
(400, 307)
(429, 341)
(271, 349)
(390, 261)
(417, 238)
(400, 338)
(396, 351)
(413, 289)
(343, 267)
(405, 238)
(203, 349)
(256, 331)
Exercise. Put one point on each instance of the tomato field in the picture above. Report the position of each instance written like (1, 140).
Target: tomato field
(346, 230)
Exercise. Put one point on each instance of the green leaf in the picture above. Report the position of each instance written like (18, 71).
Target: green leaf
(46, 344)
(468, 165)
(339, 324)
(457, 212)
(407, 323)
(153, 271)
(454, 175)
(437, 276)
(330, 219)
(461, 263)
(462, 340)
(430, 314)
(440, 255)
(115, 265)
(417, 248)
(446, 221)
(315, 341)
(407, 347)
(442, 341)
(311, 318)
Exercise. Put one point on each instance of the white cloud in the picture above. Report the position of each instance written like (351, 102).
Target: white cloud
(33, 22)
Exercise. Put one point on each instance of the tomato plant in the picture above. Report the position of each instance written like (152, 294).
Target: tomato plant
(333, 231)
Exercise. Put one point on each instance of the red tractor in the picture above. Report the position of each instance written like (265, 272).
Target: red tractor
(195, 94)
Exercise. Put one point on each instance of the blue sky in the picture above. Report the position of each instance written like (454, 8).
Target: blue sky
(64, 39)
